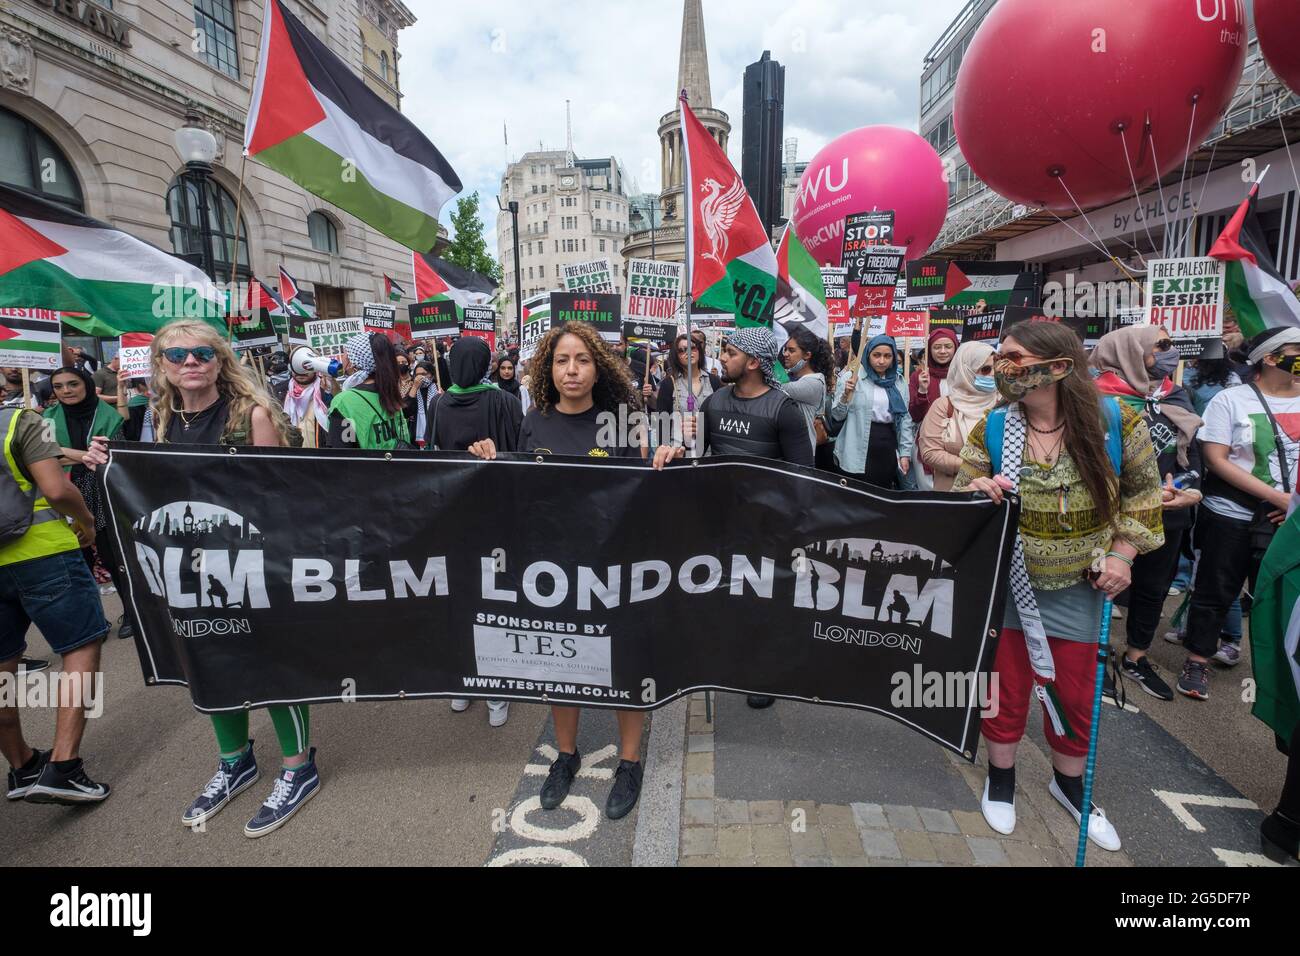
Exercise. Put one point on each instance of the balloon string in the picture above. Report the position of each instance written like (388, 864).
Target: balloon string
(1196, 207)
(1099, 244)
(1294, 175)
(1136, 195)
(1155, 162)
(1172, 237)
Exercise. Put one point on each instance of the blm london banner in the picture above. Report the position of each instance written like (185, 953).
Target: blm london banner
(253, 582)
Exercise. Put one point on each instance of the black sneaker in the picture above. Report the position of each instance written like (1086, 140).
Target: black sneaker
(21, 781)
(30, 665)
(627, 787)
(558, 781)
(124, 629)
(1144, 672)
(1195, 680)
(71, 788)
(759, 702)
(1280, 838)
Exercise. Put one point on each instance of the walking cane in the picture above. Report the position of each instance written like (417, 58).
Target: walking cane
(1103, 652)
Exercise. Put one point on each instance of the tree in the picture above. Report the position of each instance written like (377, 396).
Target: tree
(467, 249)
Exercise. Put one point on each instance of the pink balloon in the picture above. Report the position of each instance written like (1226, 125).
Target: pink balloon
(875, 167)
(1277, 22)
(1049, 93)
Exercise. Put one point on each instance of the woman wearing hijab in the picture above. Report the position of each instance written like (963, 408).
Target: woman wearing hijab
(877, 438)
(929, 384)
(504, 377)
(77, 416)
(1136, 366)
(972, 391)
(370, 411)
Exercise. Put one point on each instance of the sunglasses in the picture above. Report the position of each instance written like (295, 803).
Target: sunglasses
(203, 354)
(1164, 345)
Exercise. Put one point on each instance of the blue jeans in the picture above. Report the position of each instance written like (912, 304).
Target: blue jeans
(59, 595)
(1183, 579)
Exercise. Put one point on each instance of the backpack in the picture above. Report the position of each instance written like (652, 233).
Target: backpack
(995, 427)
(17, 507)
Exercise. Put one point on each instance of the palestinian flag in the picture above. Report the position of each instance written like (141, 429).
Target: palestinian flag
(315, 121)
(260, 297)
(288, 288)
(801, 296)
(998, 284)
(52, 257)
(392, 291)
(731, 260)
(1256, 291)
(437, 279)
(1275, 630)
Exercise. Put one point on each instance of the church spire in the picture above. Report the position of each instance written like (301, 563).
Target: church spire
(693, 69)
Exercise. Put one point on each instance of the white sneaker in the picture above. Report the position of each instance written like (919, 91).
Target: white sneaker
(1115, 613)
(498, 712)
(460, 705)
(1174, 637)
(1100, 829)
(998, 815)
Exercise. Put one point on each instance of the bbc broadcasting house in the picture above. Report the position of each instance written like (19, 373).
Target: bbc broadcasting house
(91, 100)
(982, 225)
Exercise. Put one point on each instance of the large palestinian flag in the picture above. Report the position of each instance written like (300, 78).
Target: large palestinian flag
(53, 257)
(314, 120)
(732, 263)
(1257, 292)
(1275, 631)
(437, 279)
(801, 296)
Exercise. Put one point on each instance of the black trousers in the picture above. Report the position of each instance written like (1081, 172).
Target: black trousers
(1152, 575)
(1226, 562)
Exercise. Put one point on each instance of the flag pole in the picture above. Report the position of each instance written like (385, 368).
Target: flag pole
(687, 210)
(1103, 653)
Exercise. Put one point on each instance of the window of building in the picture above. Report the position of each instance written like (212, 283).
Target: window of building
(557, 249)
(602, 249)
(597, 203)
(30, 161)
(383, 65)
(215, 22)
(186, 233)
(584, 245)
(543, 187)
(323, 233)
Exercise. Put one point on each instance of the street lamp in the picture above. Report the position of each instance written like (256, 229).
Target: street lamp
(653, 207)
(197, 148)
(513, 207)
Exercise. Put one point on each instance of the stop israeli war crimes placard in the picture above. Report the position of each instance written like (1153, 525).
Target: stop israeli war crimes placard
(1185, 297)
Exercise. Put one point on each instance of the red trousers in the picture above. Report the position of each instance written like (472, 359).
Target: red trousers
(1076, 679)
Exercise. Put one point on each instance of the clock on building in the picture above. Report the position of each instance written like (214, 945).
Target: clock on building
(567, 182)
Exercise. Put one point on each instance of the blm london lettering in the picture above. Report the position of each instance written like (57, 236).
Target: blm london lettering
(245, 600)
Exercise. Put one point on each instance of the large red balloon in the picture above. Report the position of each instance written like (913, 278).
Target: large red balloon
(875, 167)
(1048, 88)
(1277, 24)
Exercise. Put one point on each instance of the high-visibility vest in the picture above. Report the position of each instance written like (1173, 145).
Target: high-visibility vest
(49, 533)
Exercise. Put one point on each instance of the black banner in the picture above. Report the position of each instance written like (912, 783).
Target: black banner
(433, 320)
(602, 310)
(255, 581)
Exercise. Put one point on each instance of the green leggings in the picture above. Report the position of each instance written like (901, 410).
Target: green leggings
(291, 726)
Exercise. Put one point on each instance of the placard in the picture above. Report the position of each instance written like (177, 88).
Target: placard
(597, 275)
(379, 317)
(480, 322)
(1185, 297)
(328, 336)
(30, 338)
(602, 311)
(433, 320)
(135, 354)
(925, 283)
(653, 289)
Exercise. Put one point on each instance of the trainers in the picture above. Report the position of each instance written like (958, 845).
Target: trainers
(1195, 680)
(1108, 687)
(558, 781)
(1174, 637)
(21, 781)
(459, 705)
(498, 712)
(1174, 590)
(1144, 672)
(759, 701)
(1228, 654)
(1100, 830)
(71, 787)
(30, 665)
(293, 788)
(228, 782)
(107, 589)
(124, 629)
(626, 789)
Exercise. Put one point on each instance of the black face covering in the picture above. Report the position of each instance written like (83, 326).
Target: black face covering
(470, 358)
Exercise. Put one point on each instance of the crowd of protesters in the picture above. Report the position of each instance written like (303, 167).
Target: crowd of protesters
(1125, 477)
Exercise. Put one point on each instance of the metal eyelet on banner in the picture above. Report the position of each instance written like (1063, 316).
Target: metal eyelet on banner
(539, 459)
(695, 463)
(148, 680)
(968, 755)
(844, 482)
(401, 695)
(248, 705)
(993, 632)
(234, 450)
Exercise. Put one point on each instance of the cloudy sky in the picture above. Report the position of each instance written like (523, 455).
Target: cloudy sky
(468, 68)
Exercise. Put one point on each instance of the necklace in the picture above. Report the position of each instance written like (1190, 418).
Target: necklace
(186, 422)
(1044, 431)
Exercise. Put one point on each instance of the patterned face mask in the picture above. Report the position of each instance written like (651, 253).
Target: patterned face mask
(1016, 380)
(1290, 363)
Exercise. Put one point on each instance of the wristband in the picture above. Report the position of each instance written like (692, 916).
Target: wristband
(1116, 554)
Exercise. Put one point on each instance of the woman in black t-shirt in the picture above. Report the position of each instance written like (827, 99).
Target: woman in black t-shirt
(577, 382)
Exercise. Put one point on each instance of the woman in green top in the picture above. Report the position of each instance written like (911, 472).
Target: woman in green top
(370, 411)
(78, 416)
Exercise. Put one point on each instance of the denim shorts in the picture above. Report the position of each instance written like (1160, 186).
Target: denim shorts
(59, 595)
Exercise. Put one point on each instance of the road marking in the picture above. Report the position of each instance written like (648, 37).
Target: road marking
(538, 856)
(589, 769)
(1179, 802)
(1233, 858)
(579, 830)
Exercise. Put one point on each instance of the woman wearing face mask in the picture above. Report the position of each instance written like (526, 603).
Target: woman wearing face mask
(877, 438)
(972, 391)
(1085, 470)
(1136, 366)
(370, 411)
(808, 361)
